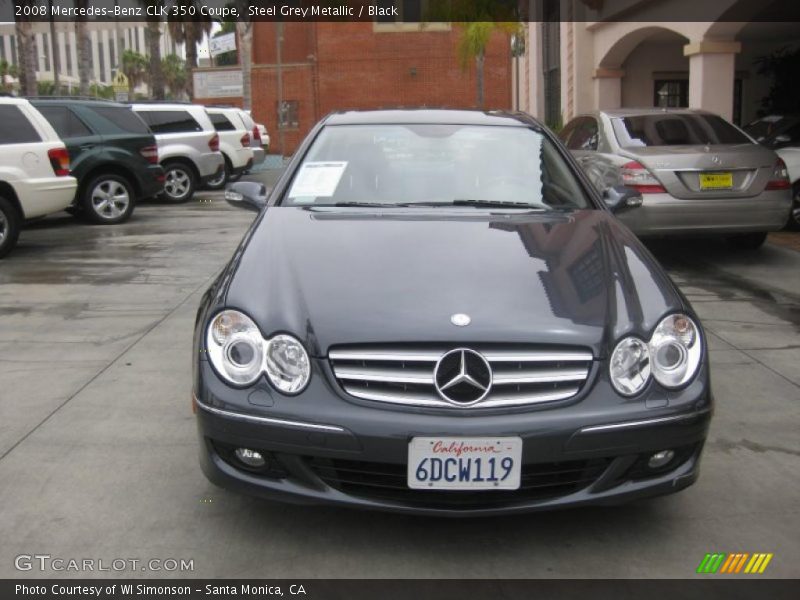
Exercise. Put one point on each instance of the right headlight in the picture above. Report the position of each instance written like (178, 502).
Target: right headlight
(672, 357)
(240, 354)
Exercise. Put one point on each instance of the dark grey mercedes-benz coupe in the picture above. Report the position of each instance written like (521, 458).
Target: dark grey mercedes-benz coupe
(434, 312)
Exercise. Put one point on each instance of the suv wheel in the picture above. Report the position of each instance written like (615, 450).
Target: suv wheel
(220, 180)
(178, 182)
(9, 226)
(747, 241)
(108, 199)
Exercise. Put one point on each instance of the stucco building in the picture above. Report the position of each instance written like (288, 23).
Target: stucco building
(589, 54)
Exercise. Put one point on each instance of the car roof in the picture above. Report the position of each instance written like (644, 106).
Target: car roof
(644, 111)
(433, 116)
(166, 106)
(81, 101)
(12, 100)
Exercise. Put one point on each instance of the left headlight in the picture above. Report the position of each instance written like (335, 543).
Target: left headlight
(240, 354)
(675, 351)
(672, 356)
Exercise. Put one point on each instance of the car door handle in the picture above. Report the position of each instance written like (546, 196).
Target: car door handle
(87, 146)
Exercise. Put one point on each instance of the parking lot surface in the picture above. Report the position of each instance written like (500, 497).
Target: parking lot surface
(98, 448)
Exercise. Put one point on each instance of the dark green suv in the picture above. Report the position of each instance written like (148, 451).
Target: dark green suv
(112, 152)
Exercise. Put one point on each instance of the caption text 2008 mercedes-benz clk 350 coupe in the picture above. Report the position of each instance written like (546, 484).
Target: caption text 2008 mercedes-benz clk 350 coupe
(435, 313)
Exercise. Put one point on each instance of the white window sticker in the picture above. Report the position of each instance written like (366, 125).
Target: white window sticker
(317, 179)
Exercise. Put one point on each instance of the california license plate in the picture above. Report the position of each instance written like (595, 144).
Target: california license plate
(716, 181)
(459, 463)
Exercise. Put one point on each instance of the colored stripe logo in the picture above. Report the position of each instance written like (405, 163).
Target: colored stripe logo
(734, 563)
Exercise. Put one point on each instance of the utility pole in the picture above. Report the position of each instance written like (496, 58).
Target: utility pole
(279, 65)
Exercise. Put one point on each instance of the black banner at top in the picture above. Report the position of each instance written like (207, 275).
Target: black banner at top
(402, 11)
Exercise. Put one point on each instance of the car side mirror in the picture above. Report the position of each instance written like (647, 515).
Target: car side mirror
(620, 197)
(780, 140)
(248, 195)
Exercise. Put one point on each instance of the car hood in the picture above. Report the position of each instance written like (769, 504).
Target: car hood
(334, 276)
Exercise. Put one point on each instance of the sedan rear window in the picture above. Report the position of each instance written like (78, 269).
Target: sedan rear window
(670, 129)
(408, 164)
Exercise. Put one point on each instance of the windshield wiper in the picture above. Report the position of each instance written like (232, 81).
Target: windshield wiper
(503, 203)
(367, 204)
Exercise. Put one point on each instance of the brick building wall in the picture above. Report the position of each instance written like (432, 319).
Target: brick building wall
(338, 66)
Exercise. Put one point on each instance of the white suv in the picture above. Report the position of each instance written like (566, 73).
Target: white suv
(234, 143)
(188, 146)
(34, 169)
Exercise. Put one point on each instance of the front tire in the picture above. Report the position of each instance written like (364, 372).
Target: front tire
(108, 199)
(747, 241)
(9, 226)
(179, 182)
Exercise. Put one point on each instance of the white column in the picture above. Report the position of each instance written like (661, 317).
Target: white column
(711, 75)
(608, 88)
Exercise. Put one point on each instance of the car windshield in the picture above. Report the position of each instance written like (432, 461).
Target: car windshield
(449, 165)
(671, 129)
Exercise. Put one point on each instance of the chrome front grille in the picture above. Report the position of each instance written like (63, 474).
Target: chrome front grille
(406, 374)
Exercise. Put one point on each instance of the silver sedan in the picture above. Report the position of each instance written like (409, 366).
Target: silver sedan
(695, 171)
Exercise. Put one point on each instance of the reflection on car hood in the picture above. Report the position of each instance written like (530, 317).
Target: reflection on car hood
(361, 276)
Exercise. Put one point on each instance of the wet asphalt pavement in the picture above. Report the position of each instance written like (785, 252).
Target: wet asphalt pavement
(98, 449)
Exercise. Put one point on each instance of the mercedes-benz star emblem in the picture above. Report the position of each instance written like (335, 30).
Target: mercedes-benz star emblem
(463, 377)
(460, 320)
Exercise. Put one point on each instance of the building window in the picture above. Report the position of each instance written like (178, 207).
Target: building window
(13, 49)
(288, 115)
(2, 47)
(68, 46)
(46, 51)
(551, 62)
(101, 59)
(111, 54)
(671, 93)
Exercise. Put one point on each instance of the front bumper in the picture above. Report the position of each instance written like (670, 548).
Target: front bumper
(663, 214)
(323, 447)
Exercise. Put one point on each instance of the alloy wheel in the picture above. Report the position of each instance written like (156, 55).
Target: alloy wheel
(177, 183)
(110, 199)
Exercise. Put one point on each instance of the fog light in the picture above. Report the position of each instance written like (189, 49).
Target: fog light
(250, 457)
(657, 460)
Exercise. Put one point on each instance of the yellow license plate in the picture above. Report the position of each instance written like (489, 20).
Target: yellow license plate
(716, 181)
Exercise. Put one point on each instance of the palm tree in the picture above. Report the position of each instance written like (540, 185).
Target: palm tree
(479, 19)
(153, 35)
(174, 68)
(135, 67)
(4, 72)
(84, 50)
(472, 45)
(26, 50)
(190, 32)
(245, 31)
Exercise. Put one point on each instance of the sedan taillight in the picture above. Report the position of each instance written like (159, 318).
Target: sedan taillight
(213, 143)
(256, 135)
(780, 177)
(635, 175)
(59, 159)
(150, 154)
(245, 140)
